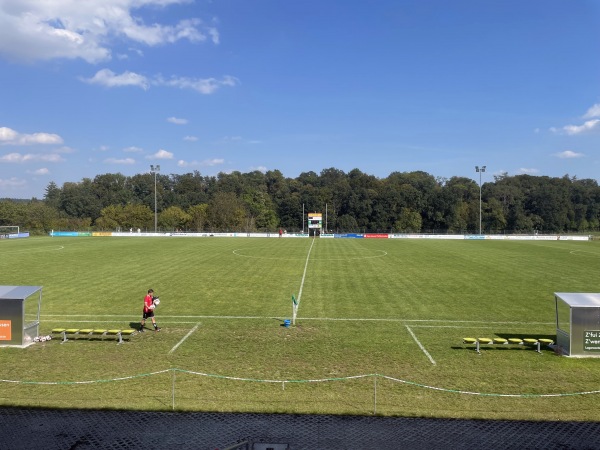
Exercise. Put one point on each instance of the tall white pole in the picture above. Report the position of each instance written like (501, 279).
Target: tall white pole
(480, 170)
(154, 169)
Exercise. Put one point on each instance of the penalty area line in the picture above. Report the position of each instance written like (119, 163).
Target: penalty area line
(184, 338)
(420, 345)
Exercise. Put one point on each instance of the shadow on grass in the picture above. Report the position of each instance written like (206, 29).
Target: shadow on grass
(527, 336)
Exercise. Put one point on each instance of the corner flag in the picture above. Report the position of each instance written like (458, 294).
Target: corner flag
(294, 309)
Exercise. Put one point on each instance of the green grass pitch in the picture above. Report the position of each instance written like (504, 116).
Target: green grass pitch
(379, 328)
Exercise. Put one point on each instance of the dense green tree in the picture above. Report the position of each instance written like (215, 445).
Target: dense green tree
(80, 200)
(111, 218)
(198, 217)
(173, 219)
(226, 212)
(9, 213)
(408, 221)
(260, 210)
(290, 212)
(347, 223)
(352, 201)
(112, 189)
(52, 196)
(189, 189)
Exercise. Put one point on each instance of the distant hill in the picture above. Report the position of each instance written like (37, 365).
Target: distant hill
(18, 200)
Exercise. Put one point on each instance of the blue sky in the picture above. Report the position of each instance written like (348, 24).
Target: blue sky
(106, 86)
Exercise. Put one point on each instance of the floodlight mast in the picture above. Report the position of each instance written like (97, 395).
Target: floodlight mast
(155, 169)
(480, 170)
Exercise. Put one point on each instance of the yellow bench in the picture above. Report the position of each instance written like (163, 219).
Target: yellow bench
(478, 342)
(76, 333)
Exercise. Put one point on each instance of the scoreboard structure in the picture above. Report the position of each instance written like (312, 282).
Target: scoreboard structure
(315, 224)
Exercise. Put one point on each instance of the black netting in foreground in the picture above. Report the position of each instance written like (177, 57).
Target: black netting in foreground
(83, 429)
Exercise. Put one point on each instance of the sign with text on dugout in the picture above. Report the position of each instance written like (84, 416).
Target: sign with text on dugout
(5, 330)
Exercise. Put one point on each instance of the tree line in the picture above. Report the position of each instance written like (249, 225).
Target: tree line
(350, 202)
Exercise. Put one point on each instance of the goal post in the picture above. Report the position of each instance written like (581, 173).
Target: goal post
(6, 230)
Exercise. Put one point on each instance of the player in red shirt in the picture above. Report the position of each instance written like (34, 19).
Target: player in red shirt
(149, 311)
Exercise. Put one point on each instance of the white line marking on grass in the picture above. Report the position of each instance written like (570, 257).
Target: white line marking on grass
(184, 338)
(414, 322)
(578, 253)
(420, 345)
(304, 274)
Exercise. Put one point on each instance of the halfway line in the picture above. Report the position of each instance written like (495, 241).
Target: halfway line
(304, 274)
(184, 338)
(420, 345)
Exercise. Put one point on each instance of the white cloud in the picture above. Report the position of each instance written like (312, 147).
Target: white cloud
(133, 149)
(161, 154)
(64, 149)
(206, 86)
(262, 169)
(119, 161)
(212, 162)
(590, 125)
(205, 163)
(12, 183)
(594, 111)
(214, 34)
(226, 139)
(528, 171)
(237, 139)
(108, 78)
(568, 154)
(42, 171)
(44, 30)
(190, 138)
(201, 85)
(177, 121)
(9, 136)
(29, 157)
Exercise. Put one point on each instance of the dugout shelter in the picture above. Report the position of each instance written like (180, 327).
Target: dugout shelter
(578, 323)
(19, 315)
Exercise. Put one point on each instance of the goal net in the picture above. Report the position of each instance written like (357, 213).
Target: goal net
(7, 230)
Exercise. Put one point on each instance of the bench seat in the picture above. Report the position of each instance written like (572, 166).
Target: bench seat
(478, 342)
(82, 333)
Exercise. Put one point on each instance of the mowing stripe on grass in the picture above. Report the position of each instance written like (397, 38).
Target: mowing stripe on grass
(184, 338)
(420, 345)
